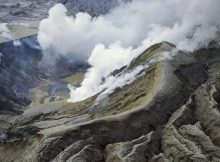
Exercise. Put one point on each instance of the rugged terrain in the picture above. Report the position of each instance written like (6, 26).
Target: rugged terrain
(170, 113)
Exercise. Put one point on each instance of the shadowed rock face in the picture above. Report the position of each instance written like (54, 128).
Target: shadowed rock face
(25, 80)
(18, 72)
(169, 113)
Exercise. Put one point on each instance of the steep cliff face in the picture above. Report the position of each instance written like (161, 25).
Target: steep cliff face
(18, 73)
(170, 112)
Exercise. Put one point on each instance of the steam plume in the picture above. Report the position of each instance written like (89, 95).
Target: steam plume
(113, 40)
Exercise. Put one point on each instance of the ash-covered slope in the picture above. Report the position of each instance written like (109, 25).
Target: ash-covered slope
(169, 113)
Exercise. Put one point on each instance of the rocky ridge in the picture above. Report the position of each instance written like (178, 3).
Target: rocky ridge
(169, 113)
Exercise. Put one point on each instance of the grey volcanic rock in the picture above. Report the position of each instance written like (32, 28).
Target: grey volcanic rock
(93, 7)
(35, 10)
(170, 113)
(18, 72)
(24, 10)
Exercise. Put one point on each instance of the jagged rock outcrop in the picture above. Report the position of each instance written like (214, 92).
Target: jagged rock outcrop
(169, 113)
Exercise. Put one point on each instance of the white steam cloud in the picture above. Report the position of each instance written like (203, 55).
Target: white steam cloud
(113, 40)
(117, 57)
